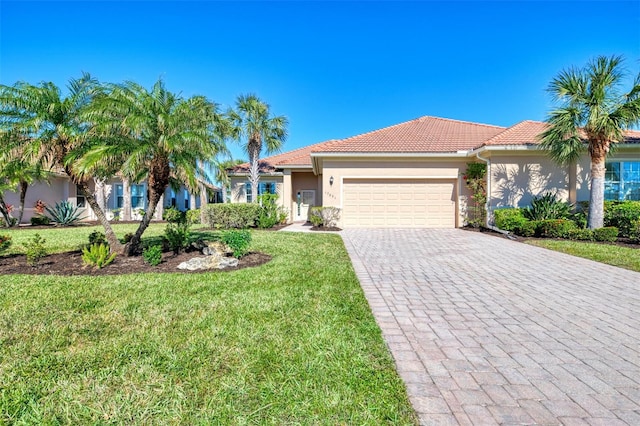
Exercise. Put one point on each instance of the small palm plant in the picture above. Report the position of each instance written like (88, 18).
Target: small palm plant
(64, 214)
(97, 255)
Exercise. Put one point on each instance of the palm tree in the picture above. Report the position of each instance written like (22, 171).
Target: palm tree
(593, 114)
(156, 134)
(253, 121)
(53, 130)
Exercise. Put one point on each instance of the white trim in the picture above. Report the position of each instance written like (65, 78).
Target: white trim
(458, 154)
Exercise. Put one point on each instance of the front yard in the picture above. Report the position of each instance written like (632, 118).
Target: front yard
(290, 342)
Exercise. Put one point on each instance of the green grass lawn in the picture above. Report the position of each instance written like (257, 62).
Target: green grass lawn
(623, 257)
(290, 342)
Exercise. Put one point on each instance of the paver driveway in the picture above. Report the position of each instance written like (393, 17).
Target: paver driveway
(489, 331)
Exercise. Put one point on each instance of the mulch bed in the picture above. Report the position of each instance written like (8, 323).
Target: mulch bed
(70, 263)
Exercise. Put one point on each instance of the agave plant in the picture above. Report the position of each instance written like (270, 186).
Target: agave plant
(64, 214)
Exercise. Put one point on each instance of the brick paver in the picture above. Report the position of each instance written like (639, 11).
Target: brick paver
(485, 330)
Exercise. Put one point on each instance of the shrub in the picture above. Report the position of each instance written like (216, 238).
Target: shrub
(509, 219)
(474, 178)
(238, 240)
(315, 216)
(127, 237)
(177, 234)
(193, 216)
(5, 242)
(580, 219)
(35, 250)
(622, 215)
(608, 234)
(173, 215)
(40, 220)
(582, 234)
(97, 255)
(229, 216)
(97, 237)
(527, 229)
(546, 207)
(153, 255)
(330, 216)
(270, 211)
(64, 214)
(554, 228)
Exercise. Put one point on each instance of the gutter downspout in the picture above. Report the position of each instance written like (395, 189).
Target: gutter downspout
(487, 204)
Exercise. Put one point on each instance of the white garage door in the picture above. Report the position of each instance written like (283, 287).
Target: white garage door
(410, 203)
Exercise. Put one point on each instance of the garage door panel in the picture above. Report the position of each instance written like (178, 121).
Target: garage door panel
(399, 203)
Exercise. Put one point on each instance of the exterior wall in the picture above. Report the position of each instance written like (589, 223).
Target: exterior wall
(57, 190)
(517, 177)
(238, 190)
(390, 168)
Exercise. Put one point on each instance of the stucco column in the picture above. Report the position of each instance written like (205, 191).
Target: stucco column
(287, 197)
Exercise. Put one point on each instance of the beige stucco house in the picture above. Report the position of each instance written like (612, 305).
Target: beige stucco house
(410, 174)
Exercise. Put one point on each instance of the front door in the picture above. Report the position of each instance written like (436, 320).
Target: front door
(305, 199)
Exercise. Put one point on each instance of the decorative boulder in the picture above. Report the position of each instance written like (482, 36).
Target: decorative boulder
(215, 257)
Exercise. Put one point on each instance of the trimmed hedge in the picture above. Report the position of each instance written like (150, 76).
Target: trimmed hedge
(622, 215)
(608, 233)
(554, 228)
(509, 219)
(230, 216)
(581, 234)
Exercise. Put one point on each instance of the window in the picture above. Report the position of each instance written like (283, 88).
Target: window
(81, 202)
(137, 196)
(263, 188)
(622, 180)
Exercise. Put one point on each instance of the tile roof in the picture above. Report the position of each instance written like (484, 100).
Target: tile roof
(422, 135)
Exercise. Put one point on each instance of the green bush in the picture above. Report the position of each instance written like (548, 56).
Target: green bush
(177, 234)
(173, 215)
(97, 237)
(230, 216)
(527, 229)
(97, 255)
(509, 219)
(622, 215)
(554, 228)
(64, 214)
(270, 212)
(238, 240)
(581, 234)
(127, 237)
(546, 207)
(40, 220)
(315, 216)
(193, 216)
(35, 250)
(152, 255)
(608, 234)
(5, 242)
(580, 219)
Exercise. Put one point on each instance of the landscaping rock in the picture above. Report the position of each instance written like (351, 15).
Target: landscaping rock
(209, 262)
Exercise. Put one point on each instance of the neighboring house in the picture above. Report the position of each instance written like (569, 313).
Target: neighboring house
(410, 174)
(60, 188)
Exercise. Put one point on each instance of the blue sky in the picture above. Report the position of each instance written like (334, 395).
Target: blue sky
(335, 69)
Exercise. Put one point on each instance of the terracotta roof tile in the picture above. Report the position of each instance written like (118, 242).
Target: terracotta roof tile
(424, 134)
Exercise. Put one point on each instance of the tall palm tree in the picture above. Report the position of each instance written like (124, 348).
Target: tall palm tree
(152, 133)
(593, 114)
(53, 129)
(254, 122)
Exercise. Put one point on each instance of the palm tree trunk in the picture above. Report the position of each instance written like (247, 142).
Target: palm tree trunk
(114, 244)
(203, 201)
(23, 194)
(126, 199)
(133, 246)
(598, 151)
(4, 211)
(224, 192)
(254, 170)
